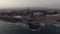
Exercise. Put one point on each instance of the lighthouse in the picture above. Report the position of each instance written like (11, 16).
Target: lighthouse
(28, 9)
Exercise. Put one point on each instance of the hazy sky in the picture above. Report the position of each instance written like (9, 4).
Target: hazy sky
(29, 3)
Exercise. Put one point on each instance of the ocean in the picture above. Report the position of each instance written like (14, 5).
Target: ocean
(20, 28)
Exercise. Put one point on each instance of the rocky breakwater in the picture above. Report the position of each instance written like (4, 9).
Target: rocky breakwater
(12, 18)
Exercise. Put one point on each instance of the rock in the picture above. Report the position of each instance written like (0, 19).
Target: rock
(33, 26)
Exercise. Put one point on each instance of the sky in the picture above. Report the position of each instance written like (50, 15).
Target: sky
(29, 3)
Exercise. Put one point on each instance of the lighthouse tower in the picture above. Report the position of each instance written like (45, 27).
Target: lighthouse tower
(28, 9)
